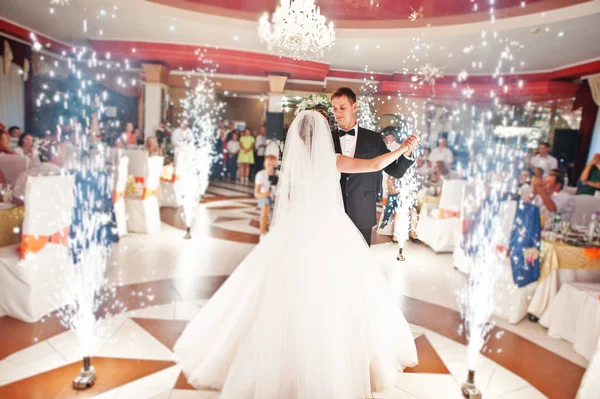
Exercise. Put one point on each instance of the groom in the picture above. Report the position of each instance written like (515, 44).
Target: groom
(360, 190)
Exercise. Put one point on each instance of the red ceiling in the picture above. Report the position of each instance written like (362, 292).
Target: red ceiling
(343, 10)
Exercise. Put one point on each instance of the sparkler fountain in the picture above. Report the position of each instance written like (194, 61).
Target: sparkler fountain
(202, 107)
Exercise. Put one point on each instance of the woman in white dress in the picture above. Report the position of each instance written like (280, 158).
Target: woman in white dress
(308, 314)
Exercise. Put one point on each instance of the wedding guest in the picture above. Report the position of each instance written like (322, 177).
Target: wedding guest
(263, 191)
(27, 149)
(393, 190)
(442, 153)
(439, 173)
(183, 135)
(128, 135)
(422, 166)
(217, 166)
(589, 181)
(537, 172)
(5, 143)
(139, 139)
(260, 145)
(544, 160)
(246, 155)
(233, 149)
(548, 194)
(14, 132)
(524, 189)
(51, 164)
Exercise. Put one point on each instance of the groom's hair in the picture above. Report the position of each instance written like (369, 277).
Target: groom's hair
(345, 92)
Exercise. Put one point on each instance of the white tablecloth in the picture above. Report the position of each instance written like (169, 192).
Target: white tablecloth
(574, 315)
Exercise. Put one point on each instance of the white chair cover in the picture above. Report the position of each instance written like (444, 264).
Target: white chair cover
(442, 235)
(11, 166)
(575, 316)
(138, 162)
(584, 206)
(32, 287)
(452, 194)
(511, 302)
(119, 196)
(143, 211)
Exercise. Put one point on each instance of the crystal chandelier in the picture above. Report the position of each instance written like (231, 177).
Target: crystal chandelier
(297, 30)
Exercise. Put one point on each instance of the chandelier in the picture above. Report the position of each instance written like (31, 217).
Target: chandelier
(297, 30)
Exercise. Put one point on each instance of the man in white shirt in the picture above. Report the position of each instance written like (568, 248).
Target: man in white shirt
(263, 191)
(51, 165)
(182, 136)
(543, 160)
(549, 196)
(261, 147)
(442, 153)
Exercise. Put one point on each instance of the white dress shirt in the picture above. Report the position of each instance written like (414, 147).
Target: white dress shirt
(564, 204)
(445, 155)
(348, 143)
(546, 163)
(261, 145)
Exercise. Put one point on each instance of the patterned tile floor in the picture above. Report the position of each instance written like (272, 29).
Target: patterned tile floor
(165, 280)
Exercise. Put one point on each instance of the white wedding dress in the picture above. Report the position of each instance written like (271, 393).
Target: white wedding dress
(308, 314)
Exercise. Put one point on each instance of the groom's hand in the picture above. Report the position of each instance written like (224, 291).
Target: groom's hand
(412, 143)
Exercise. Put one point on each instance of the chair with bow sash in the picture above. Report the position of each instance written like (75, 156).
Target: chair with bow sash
(138, 165)
(142, 210)
(11, 166)
(440, 229)
(32, 281)
(119, 195)
(511, 300)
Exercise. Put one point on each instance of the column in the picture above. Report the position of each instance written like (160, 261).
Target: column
(155, 92)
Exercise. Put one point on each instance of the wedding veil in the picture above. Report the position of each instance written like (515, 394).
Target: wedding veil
(309, 181)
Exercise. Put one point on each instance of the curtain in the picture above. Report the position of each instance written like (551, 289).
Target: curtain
(12, 97)
(584, 99)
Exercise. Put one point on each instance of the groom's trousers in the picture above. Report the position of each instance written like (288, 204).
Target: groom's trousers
(367, 234)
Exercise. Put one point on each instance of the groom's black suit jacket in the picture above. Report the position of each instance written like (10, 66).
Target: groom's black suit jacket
(359, 190)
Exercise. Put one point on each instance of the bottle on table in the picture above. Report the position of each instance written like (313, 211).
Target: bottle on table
(557, 222)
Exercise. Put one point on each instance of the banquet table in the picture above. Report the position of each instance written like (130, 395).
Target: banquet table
(562, 263)
(11, 217)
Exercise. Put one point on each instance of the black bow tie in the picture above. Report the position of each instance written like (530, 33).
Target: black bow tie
(342, 133)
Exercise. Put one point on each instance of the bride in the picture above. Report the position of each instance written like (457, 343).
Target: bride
(308, 314)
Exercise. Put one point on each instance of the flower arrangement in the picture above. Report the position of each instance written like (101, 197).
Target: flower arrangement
(315, 101)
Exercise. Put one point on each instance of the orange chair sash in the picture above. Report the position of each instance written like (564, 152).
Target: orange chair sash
(447, 214)
(117, 195)
(139, 179)
(31, 243)
(149, 193)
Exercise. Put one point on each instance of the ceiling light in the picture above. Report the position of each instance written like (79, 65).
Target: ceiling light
(297, 30)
